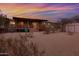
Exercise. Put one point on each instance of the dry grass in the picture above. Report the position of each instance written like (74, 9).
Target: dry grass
(19, 47)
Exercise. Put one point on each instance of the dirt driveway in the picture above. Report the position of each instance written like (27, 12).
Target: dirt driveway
(54, 43)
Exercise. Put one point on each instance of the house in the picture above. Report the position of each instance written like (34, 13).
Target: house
(37, 24)
(17, 23)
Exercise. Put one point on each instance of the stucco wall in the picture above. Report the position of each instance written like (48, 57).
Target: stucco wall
(73, 27)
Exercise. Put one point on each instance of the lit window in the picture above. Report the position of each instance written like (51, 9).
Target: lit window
(12, 22)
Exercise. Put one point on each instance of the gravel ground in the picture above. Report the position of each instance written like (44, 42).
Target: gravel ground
(55, 44)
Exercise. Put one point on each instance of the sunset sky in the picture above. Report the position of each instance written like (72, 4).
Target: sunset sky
(51, 11)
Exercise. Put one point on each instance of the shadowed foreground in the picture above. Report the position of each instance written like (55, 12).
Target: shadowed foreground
(18, 46)
(53, 44)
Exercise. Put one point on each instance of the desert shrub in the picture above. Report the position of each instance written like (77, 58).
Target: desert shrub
(70, 33)
(21, 46)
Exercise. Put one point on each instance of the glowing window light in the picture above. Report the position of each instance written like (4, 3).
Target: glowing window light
(12, 22)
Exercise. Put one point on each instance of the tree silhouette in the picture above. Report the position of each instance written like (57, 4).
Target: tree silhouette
(64, 22)
(4, 21)
(75, 18)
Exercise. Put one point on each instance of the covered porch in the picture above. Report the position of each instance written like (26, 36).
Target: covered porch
(23, 24)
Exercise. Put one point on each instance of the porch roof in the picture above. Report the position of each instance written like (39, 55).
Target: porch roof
(28, 19)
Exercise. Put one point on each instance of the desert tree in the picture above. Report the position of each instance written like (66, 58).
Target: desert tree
(64, 22)
(4, 21)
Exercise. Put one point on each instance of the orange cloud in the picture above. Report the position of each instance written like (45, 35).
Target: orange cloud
(18, 9)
